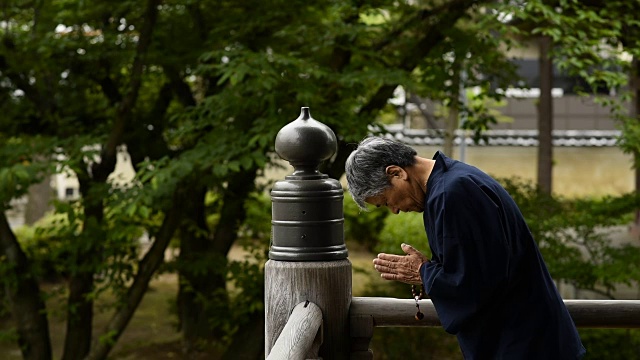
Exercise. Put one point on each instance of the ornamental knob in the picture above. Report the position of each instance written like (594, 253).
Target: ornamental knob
(305, 143)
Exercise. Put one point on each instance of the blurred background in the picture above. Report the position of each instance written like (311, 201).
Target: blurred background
(137, 155)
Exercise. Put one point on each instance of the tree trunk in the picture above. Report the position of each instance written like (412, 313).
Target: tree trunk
(79, 317)
(545, 118)
(454, 112)
(233, 213)
(198, 280)
(147, 267)
(450, 133)
(79, 304)
(634, 111)
(27, 307)
(335, 168)
(206, 282)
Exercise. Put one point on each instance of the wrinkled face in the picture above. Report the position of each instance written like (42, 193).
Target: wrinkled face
(404, 195)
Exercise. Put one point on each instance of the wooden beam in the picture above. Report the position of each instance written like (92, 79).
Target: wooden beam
(394, 312)
(298, 334)
(605, 313)
(387, 312)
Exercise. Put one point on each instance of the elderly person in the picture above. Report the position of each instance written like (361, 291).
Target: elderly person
(486, 278)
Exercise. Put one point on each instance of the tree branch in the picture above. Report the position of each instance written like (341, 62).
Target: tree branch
(433, 35)
(146, 268)
(105, 167)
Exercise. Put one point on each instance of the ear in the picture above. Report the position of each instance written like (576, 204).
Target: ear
(395, 171)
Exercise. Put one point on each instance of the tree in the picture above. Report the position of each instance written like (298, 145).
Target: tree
(60, 111)
(595, 40)
(196, 92)
(545, 117)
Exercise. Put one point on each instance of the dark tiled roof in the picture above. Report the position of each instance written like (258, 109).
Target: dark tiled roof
(509, 137)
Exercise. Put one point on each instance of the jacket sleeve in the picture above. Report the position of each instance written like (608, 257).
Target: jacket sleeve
(471, 259)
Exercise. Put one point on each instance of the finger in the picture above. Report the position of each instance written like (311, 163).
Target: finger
(410, 250)
(390, 257)
(389, 264)
(385, 269)
(388, 276)
(395, 277)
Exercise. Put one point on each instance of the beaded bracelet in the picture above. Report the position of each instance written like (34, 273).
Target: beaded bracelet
(417, 297)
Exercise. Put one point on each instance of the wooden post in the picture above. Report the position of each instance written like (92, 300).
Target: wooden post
(361, 334)
(325, 283)
(308, 258)
(296, 340)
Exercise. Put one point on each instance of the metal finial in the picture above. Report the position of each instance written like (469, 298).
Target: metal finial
(305, 143)
(307, 215)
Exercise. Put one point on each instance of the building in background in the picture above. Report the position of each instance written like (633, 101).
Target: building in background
(62, 186)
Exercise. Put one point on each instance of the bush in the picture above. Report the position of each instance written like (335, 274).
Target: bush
(611, 344)
(407, 228)
(46, 252)
(362, 227)
(573, 240)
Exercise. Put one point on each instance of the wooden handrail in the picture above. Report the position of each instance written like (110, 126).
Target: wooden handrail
(297, 336)
(387, 312)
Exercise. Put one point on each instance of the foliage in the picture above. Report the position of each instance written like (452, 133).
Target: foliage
(246, 274)
(407, 228)
(256, 228)
(362, 227)
(596, 41)
(614, 344)
(49, 259)
(195, 92)
(380, 232)
(573, 237)
(22, 163)
(591, 39)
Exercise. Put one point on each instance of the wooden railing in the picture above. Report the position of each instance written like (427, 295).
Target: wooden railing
(366, 313)
(301, 338)
(585, 313)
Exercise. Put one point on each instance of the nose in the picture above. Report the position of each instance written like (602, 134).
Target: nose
(395, 210)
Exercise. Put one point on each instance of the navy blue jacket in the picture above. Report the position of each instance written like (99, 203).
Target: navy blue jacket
(487, 279)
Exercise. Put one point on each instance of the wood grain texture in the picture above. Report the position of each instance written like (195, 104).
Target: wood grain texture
(298, 334)
(585, 313)
(361, 334)
(394, 312)
(605, 313)
(325, 283)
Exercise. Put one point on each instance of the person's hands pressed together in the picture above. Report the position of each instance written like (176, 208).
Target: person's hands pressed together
(403, 268)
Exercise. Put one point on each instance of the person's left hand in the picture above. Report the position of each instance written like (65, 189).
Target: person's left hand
(403, 268)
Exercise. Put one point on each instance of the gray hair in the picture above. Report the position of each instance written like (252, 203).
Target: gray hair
(366, 166)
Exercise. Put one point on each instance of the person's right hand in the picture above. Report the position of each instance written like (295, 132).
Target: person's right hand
(403, 268)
